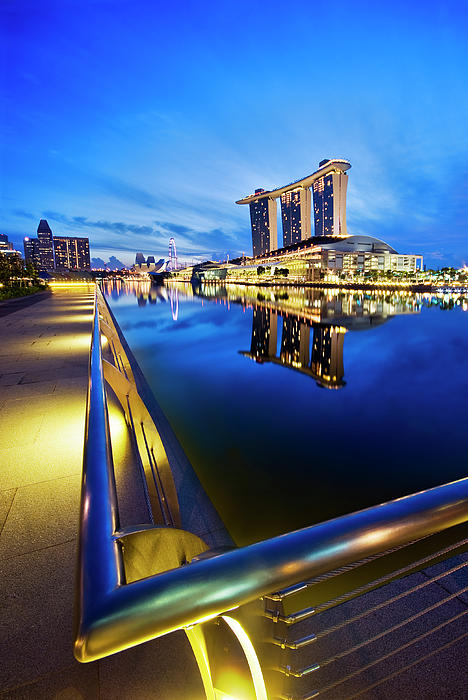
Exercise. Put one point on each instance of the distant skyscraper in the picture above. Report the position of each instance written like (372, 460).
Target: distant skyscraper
(46, 245)
(295, 215)
(264, 225)
(4, 243)
(72, 253)
(31, 251)
(330, 203)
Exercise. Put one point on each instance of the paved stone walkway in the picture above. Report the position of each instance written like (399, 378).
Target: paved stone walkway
(44, 349)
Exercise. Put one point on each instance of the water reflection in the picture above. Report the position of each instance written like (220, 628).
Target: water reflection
(273, 453)
(312, 323)
(324, 363)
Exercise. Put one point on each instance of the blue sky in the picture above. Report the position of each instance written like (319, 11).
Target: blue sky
(131, 121)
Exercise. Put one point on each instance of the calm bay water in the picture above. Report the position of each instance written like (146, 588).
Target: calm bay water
(295, 406)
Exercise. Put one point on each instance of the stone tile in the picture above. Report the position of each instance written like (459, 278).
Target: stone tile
(6, 499)
(15, 434)
(32, 464)
(24, 391)
(11, 378)
(54, 373)
(75, 383)
(164, 669)
(42, 515)
(78, 682)
(9, 366)
(36, 591)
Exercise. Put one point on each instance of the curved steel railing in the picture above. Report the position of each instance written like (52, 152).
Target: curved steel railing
(114, 615)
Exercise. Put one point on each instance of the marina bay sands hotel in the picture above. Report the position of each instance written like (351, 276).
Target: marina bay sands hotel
(325, 189)
(328, 184)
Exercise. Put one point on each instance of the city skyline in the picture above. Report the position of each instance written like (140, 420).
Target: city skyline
(130, 142)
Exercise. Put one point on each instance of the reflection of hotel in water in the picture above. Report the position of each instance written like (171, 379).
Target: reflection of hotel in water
(312, 339)
(312, 323)
(324, 362)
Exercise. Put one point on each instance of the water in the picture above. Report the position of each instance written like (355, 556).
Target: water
(295, 406)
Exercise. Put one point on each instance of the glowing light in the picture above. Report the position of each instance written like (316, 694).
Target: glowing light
(71, 284)
(250, 655)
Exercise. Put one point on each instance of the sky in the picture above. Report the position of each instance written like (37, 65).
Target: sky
(131, 121)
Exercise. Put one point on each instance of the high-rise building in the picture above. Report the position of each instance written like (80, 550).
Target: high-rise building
(48, 252)
(46, 245)
(264, 225)
(330, 203)
(295, 215)
(5, 243)
(72, 253)
(329, 184)
(31, 251)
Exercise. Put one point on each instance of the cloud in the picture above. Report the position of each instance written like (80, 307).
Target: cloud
(175, 228)
(122, 237)
(114, 226)
(123, 190)
(24, 214)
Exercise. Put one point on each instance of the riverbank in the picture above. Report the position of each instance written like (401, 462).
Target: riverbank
(416, 287)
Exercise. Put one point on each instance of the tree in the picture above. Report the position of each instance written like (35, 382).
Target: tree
(260, 270)
(31, 271)
(11, 267)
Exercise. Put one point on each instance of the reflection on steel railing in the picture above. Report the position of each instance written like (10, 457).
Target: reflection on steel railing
(117, 610)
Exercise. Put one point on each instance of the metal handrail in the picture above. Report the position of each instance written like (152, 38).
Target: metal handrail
(113, 615)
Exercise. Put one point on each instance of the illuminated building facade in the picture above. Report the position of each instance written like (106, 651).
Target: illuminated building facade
(308, 261)
(4, 242)
(48, 252)
(295, 215)
(329, 184)
(31, 251)
(7, 249)
(72, 253)
(45, 245)
(264, 226)
(360, 254)
(330, 203)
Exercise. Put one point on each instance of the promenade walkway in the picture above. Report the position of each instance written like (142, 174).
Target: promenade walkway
(43, 383)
